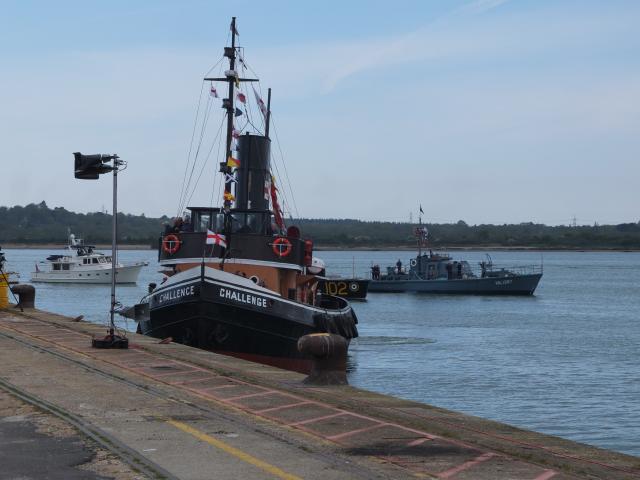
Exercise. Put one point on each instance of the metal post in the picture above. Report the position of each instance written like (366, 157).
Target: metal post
(268, 122)
(114, 252)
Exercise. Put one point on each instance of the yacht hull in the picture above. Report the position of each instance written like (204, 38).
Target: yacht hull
(124, 274)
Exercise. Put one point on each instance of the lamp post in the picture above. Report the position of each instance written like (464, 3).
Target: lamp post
(90, 167)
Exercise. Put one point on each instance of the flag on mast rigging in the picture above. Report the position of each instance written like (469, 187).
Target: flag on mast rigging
(277, 212)
(233, 162)
(261, 105)
(213, 92)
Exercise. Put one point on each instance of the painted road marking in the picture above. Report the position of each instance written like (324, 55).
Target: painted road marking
(452, 471)
(546, 475)
(282, 407)
(239, 454)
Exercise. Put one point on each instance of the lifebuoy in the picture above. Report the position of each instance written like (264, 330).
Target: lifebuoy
(281, 246)
(353, 286)
(171, 244)
(413, 262)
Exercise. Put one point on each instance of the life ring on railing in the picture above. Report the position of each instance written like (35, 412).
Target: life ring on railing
(281, 246)
(171, 244)
(413, 262)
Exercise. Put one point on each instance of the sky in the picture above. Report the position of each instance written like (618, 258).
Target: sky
(487, 111)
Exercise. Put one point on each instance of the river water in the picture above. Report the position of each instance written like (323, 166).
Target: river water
(565, 361)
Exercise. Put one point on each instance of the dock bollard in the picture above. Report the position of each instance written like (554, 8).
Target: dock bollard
(329, 358)
(26, 295)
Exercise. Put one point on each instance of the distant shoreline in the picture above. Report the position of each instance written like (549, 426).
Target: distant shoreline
(60, 246)
(320, 248)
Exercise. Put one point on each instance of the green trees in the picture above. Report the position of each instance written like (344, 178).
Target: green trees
(37, 223)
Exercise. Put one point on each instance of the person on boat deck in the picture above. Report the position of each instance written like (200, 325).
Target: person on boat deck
(399, 266)
(186, 226)
(177, 225)
(375, 272)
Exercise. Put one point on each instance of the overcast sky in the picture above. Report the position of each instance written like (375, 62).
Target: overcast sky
(490, 111)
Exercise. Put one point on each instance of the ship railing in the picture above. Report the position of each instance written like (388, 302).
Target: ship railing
(514, 269)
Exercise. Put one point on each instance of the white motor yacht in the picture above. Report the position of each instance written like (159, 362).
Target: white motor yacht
(81, 264)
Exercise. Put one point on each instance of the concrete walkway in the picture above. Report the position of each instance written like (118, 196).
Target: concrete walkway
(190, 414)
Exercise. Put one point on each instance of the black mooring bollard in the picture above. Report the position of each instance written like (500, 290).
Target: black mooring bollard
(329, 358)
(26, 295)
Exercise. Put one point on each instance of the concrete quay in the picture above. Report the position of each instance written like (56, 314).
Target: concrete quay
(171, 411)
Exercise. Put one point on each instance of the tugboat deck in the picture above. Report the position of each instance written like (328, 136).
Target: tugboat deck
(181, 412)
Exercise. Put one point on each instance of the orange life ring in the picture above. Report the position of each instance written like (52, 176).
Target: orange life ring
(281, 246)
(171, 244)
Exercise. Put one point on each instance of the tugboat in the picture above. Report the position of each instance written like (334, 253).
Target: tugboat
(82, 264)
(238, 280)
(431, 272)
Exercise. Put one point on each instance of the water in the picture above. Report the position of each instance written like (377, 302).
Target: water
(564, 362)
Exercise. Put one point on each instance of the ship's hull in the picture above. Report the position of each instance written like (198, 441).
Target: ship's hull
(124, 274)
(210, 310)
(511, 285)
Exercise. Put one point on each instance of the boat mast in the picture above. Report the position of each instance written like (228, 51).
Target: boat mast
(268, 119)
(228, 103)
(231, 77)
(419, 233)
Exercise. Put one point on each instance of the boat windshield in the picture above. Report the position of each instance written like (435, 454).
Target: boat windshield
(251, 222)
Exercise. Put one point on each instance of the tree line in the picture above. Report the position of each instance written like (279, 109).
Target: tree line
(37, 223)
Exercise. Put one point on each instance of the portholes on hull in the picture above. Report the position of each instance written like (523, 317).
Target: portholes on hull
(218, 335)
(187, 337)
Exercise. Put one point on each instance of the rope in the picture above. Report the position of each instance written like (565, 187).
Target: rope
(285, 167)
(193, 133)
(195, 160)
(206, 160)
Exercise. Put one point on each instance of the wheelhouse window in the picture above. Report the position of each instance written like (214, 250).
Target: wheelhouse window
(207, 219)
(95, 260)
(65, 266)
(258, 223)
(56, 266)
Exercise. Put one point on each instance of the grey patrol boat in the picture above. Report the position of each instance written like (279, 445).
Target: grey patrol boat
(431, 272)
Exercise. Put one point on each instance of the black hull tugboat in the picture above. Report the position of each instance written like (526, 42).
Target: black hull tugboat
(431, 272)
(238, 280)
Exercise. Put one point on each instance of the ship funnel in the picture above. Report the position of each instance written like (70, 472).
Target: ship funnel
(254, 173)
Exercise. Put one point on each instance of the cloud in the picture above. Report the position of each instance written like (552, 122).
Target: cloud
(478, 6)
